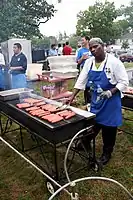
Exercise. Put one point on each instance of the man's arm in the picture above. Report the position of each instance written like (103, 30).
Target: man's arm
(2, 60)
(121, 77)
(81, 58)
(76, 91)
(23, 67)
(78, 58)
(16, 68)
(81, 81)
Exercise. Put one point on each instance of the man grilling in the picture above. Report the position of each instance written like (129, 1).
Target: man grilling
(107, 78)
(18, 66)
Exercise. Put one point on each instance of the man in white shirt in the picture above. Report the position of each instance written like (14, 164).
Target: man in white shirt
(106, 76)
(2, 63)
(2, 60)
(60, 50)
(79, 47)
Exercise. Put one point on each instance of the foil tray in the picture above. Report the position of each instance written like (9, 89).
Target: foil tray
(12, 94)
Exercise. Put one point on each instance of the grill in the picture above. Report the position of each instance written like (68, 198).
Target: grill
(54, 133)
(127, 101)
(48, 138)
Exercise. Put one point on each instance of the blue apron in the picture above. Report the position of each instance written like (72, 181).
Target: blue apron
(18, 81)
(108, 111)
(2, 85)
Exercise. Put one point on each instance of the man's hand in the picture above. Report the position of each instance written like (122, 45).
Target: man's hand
(12, 68)
(70, 100)
(85, 57)
(16, 68)
(106, 94)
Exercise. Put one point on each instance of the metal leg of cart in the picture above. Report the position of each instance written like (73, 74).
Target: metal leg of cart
(127, 119)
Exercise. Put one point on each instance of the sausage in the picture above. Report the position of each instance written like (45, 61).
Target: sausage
(31, 100)
(49, 107)
(53, 118)
(72, 114)
(63, 114)
(32, 108)
(23, 105)
(66, 113)
(43, 114)
(36, 111)
(57, 119)
(47, 117)
(39, 104)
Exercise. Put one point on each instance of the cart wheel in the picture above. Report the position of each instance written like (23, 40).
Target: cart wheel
(51, 187)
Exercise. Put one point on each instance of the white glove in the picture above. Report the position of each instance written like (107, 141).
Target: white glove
(106, 94)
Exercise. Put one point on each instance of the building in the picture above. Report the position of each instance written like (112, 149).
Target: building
(127, 37)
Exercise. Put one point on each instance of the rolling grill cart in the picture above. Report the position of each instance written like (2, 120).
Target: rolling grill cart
(51, 140)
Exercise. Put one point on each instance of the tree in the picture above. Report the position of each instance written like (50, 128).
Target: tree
(60, 37)
(124, 26)
(65, 35)
(128, 14)
(73, 40)
(98, 20)
(40, 43)
(22, 18)
(125, 44)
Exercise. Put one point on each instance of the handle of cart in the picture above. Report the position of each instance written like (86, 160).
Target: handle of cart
(76, 196)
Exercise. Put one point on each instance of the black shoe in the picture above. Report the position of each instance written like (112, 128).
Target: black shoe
(104, 159)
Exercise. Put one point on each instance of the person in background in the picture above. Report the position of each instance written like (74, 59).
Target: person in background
(67, 50)
(83, 54)
(60, 50)
(18, 66)
(2, 64)
(53, 50)
(79, 47)
(107, 78)
(2, 60)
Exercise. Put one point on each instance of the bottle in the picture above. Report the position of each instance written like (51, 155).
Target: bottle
(99, 91)
(51, 75)
(91, 85)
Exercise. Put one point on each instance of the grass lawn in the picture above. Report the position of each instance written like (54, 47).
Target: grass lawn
(19, 181)
(128, 65)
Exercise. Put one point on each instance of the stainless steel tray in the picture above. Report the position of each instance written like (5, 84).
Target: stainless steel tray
(12, 94)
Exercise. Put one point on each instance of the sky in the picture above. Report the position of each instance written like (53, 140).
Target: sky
(65, 18)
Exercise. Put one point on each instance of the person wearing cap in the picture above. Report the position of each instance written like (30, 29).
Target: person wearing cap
(107, 78)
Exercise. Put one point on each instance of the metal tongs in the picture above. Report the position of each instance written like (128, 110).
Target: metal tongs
(63, 107)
